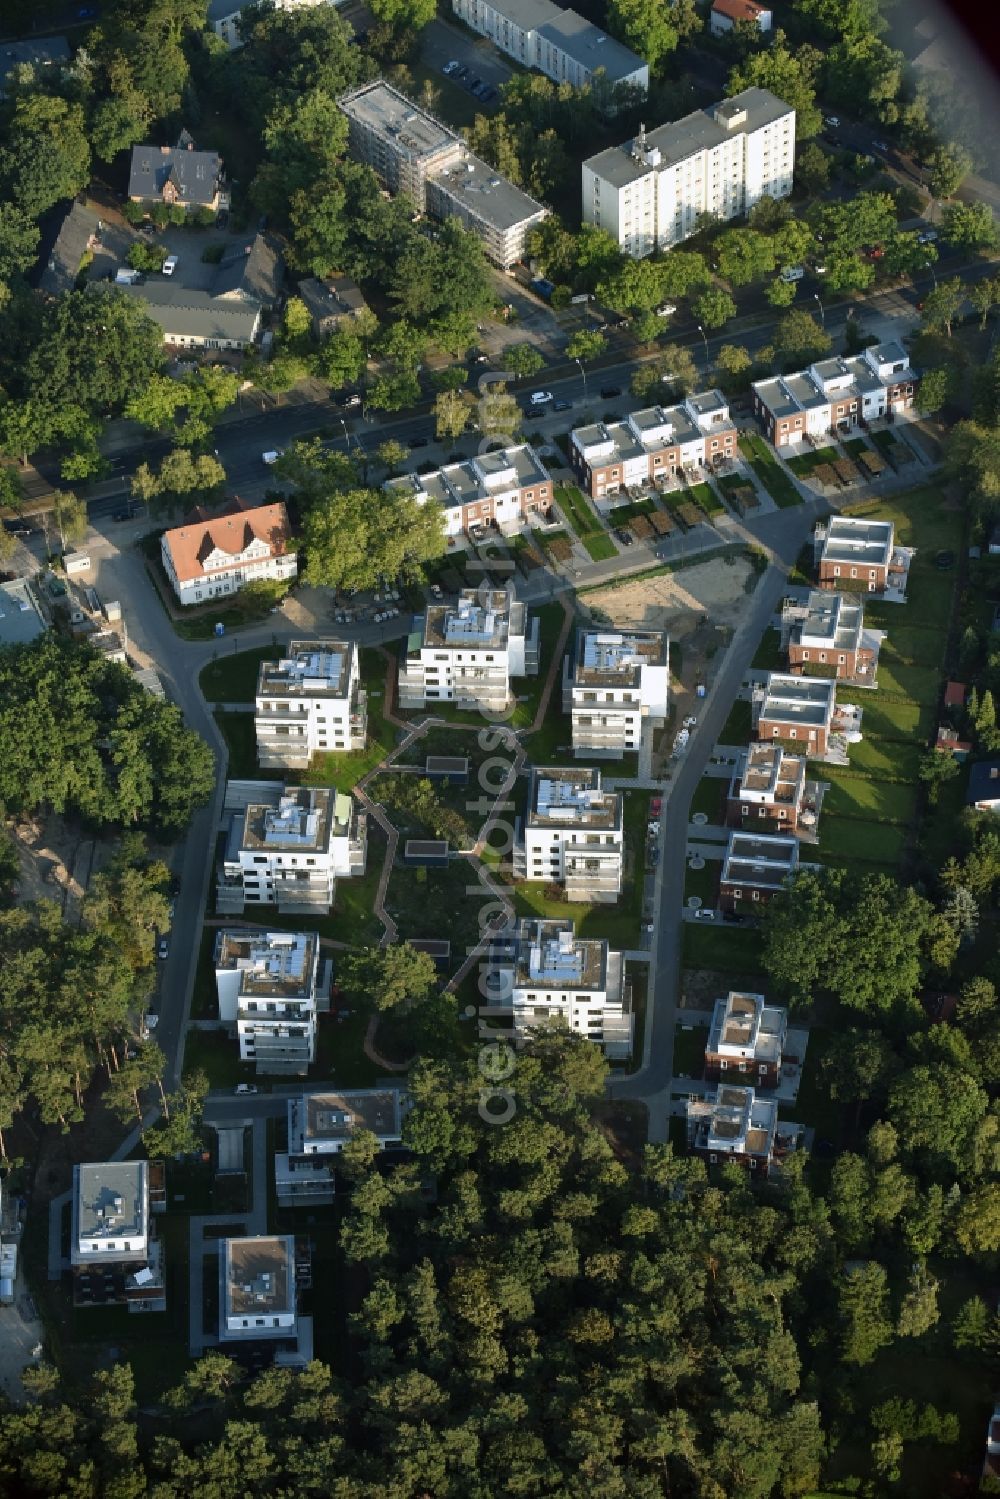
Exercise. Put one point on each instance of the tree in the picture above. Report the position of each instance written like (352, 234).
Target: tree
(862, 1304)
(780, 293)
(936, 1112)
(674, 370)
(341, 358)
(389, 977)
(391, 453)
(942, 306)
(451, 414)
(973, 1325)
(734, 363)
(499, 414)
(522, 360)
(126, 902)
(404, 15)
(977, 999)
(936, 770)
(47, 158)
(181, 475)
(799, 339)
(70, 517)
(984, 296)
(792, 76)
(812, 169)
(918, 1311)
(936, 389)
(681, 272)
(977, 1220)
(179, 1132)
(949, 166)
(354, 537)
(969, 226)
(744, 255)
(585, 346)
(652, 30)
(714, 307)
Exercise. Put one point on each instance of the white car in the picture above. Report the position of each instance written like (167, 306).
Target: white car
(541, 397)
(666, 309)
(272, 457)
(832, 120)
(170, 265)
(449, 68)
(152, 1021)
(242, 1089)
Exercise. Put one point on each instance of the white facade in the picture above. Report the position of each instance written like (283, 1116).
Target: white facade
(573, 834)
(549, 975)
(559, 43)
(725, 14)
(500, 489)
(309, 702)
(320, 1125)
(614, 684)
(649, 193)
(268, 984)
(224, 14)
(836, 394)
(208, 559)
(466, 653)
(258, 1301)
(110, 1212)
(288, 846)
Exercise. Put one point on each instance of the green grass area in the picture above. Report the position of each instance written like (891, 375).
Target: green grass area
(727, 949)
(910, 645)
(884, 759)
(237, 729)
(853, 838)
(814, 1105)
(689, 1049)
(709, 797)
(804, 464)
(204, 1000)
(577, 510)
(439, 903)
(345, 770)
(853, 446)
(885, 442)
(921, 684)
(884, 718)
(218, 1056)
(703, 882)
(769, 656)
(705, 496)
(768, 470)
(600, 547)
(738, 726)
(855, 796)
(937, 831)
(622, 514)
(232, 678)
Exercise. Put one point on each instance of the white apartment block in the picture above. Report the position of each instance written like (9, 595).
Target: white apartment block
(287, 846)
(270, 986)
(258, 1299)
(649, 193)
(500, 490)
(224, 15)
(466, 653)
(309, 702)
(548, 975)
(414, 153)
(652, 446)
(559, 43)
(113, 1253)
(614, 685)
(573, 834)
(320, 1125)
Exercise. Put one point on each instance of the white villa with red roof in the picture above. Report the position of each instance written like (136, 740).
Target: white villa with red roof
(208, 558)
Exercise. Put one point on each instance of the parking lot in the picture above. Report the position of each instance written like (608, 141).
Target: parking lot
(444, 44)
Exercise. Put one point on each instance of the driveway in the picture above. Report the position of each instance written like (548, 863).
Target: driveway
(445, 43)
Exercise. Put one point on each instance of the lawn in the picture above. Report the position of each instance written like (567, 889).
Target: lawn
(921, 684)
(883, 759)
(853, 838)
(705, 496)
(854, 446)
(768, 470)
(232, 678)
(580, 514)
(237, 730)
(600, 547)
(910, 644)
(703, 882)
(727, 949)
(345, 770)
(689, 1049)
(885, 719)
(218, 1056)
(855, 796)
(804, 464)
(738, 726)
(709, 797)
(439, 903)
(769, 656)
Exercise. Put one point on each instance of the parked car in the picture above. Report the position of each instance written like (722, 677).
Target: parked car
(242, 1090)
(17, 527)
(609, 392)
(666, 309)
(487, 94)
(928, 237)
(656, 805)
(792, 273)
(170, 265)
(417, 442)
(832, 121)
(625, 537)
(351, 401)
(561, 405)
(880, 146)
(436, 591)
(163, 948)
(449, 68)
(128, 513)
(541, 397)
(272, 456)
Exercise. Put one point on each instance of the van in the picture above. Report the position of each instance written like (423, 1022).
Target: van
(126, 277)
(792, 273)
(76, 562)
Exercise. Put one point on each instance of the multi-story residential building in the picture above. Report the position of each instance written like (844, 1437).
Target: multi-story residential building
(735, 1125)
(500, 489)
(572, 834)
(415, 154)
(208, 558)
(769, 791)
(466, 653)
(258, 1300)
(547, 974)
(858, 554)
(270, 985)
(726, 14)
(310, 702)
(615, 683)
(653, 445)
(747, 1037)
(799, 710)
(224, 15)
(756, 867)
(652, 192)
(287, 846)
(179, 176)
(114, 1254)
(835, 395)
(559, 43)
(826, 637)
(320, 1125)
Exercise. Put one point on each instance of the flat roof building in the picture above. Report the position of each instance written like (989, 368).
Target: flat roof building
(734, 1125)
(499, 489)
(269, 986)
(746, 1038)
(799, 710)
(320, 1125)
(258, 1299)
(768, 792)
(21, 621)
(287, 846)
(854, 552)
(573, 834)
(467, 652)
(114, 1255)
(547, 974)
(614, 684)
(835, 395)
(826, 636)
(310, 702)
(653, 445)
(756, 867)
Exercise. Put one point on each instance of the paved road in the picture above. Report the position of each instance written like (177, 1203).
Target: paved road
(784, 534)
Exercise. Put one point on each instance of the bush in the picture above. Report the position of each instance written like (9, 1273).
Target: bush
(143, 257)
(133, 213)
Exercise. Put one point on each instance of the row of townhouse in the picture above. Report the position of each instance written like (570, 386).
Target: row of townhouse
(559, 43)
(834, 395)
(501, 490)
(653, 191)
(653, 446)
(414, 153)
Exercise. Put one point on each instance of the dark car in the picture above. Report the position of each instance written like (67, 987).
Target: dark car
(475, 84)
(128, 512)
(625, 537)
(561, 405)
(608, 392)
(17, 527)
(487, 94)
(417, 442)
(175, 884)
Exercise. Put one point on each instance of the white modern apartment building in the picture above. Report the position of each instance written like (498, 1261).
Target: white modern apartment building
(466, 653)
(270, 986)
(548, 975)
(649, 193)
(414, 153)
(500, 489)
(614, 685)
(309, 702)
(573, 834)
(114, 1255)
(320, 1125)
(258, 1298)
(287, 846)
(652, 446)
(559, 43)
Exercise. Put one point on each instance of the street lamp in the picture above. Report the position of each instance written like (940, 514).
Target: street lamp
(347, 435)
(583, 372)
(704, 339)
(929, 267)
(819, 304)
